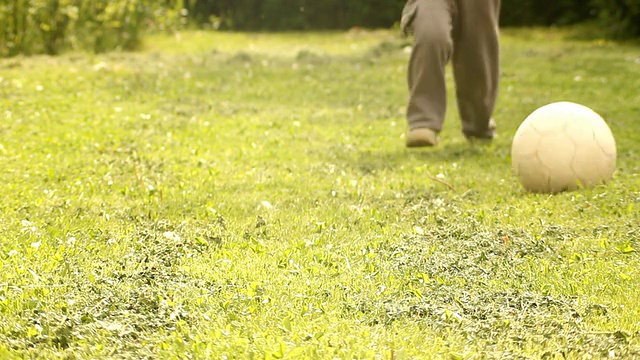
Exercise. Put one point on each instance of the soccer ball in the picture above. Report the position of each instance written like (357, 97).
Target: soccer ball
(563, 146)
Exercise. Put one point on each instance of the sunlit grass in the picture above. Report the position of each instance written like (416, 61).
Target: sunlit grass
(279, 44)
(249, 195)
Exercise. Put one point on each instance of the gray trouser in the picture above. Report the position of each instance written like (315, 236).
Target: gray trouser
(465, 32)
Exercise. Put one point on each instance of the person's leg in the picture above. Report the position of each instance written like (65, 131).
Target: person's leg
(476, 60)
(432, 49)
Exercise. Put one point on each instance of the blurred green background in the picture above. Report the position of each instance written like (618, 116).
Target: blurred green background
(51, 26)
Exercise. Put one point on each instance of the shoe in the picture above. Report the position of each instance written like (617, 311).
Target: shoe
(422, 137)
(485, 138)
(475, 140)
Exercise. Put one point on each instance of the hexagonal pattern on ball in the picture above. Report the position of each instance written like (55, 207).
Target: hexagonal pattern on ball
(563, 146)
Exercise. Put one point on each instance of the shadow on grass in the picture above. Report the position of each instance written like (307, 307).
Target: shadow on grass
(371, 161)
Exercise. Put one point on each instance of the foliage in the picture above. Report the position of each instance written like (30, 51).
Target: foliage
(35, 26)
(621, 17)
(246, 195)
(335, 14)
(298, 14)
(49, 26)
(535, 12)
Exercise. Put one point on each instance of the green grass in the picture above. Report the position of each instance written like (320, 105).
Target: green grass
(249, 196)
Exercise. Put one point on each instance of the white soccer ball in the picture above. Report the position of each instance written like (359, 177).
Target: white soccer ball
(563, 146)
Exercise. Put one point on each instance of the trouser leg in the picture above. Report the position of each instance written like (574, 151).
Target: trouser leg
(476, 64)
(433, 46)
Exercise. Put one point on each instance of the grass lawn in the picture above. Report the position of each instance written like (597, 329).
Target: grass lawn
(223, 195)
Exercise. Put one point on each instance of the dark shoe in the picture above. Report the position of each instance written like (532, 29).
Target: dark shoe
(482, 139)
(472, 140)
